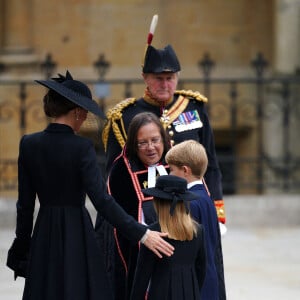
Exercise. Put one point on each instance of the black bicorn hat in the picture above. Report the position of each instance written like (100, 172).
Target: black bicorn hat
(160, 60)
(73, 90)
(172, 188)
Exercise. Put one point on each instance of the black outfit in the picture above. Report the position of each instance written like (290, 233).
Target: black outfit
(65, 262)
(122, 114)
(125, 181)
(178, 277)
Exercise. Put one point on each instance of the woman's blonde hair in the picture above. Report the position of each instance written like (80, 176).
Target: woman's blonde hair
(189, 153)
(180, 225)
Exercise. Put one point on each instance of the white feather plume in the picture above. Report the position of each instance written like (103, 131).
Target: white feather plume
(153, 24)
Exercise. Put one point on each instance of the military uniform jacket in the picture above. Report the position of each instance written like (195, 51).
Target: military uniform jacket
(60, 168)
(185, 118)
(178, 277)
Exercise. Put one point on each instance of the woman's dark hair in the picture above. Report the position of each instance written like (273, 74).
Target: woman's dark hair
(56, 105)
(136, 123)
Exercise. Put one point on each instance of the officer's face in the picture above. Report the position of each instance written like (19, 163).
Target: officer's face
(150, 144)
(162, 85)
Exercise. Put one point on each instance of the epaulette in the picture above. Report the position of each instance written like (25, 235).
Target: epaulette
(189, 93)
(116, 111)
(113, 115)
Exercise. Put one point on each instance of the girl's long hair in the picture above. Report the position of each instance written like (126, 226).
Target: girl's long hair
(180, 226)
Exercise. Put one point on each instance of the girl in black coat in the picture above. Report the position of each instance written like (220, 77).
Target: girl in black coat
(181, 276)
(60, 168)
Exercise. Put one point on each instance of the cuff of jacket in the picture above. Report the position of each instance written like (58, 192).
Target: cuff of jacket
(219, 204)
(144, 237)
(17, 258)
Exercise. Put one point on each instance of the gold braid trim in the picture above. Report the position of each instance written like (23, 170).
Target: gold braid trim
(191, 94)
(114, 115)
(105, 133)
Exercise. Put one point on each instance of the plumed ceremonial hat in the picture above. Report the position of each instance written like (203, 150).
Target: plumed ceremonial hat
(73, 90)
(159, 60)
(172, 188)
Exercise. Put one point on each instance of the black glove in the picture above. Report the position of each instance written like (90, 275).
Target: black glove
(17, 258)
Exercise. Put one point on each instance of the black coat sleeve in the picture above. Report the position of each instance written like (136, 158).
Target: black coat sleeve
(26, 198)
(18, 254)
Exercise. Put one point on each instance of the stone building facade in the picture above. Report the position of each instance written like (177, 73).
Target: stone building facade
(76, 32)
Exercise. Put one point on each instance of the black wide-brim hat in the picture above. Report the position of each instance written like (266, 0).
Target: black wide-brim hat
(160, 60)
(75, 91)
(169, 185)
(171, 188)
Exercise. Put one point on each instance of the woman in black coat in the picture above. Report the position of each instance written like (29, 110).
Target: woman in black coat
(60, 168)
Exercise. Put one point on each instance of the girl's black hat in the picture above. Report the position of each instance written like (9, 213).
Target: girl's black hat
(173, 188)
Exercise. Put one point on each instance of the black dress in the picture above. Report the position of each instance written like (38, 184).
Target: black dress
(60, 168)
(178, 277)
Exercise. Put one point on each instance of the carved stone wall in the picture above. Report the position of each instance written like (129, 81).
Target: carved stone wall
(75, 32)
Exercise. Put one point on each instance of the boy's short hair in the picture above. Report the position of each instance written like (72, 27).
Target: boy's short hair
(189, 153)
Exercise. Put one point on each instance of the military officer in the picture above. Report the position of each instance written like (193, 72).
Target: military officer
(182, 113)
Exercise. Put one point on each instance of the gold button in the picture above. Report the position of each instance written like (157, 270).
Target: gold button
(171, 132)
(221, 213)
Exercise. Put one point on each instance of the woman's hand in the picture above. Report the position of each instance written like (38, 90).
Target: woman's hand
(157, 244)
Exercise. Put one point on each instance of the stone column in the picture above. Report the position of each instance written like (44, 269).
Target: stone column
(282, 130)
(287, 36)
(16, 53)
(16, 19)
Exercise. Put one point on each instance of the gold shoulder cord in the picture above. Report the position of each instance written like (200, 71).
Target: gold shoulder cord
(179, 106)
(114, 115)
(190, 94)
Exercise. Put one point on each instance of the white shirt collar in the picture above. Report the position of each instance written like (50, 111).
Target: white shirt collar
(194, 183)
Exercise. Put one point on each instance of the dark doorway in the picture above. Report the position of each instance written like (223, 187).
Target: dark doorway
(227, 163)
